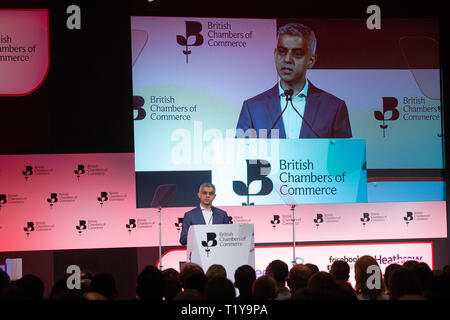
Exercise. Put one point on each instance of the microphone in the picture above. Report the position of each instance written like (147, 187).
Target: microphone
(288, 94)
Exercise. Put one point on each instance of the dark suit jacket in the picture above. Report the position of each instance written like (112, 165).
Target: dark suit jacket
(327, 114)
(195, 216)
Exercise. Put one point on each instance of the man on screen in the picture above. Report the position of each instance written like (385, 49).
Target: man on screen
(205, 213)
(294, 107)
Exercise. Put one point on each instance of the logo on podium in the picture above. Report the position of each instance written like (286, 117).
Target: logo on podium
(210, 242)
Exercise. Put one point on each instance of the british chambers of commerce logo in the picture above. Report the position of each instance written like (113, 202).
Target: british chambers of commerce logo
(53, 199)
(318, 220)
(276, 220)
(29, 228)
(28, 172)
(80, 171)
(103, 198)
(389, 113)
(3, 200)
(210, 242)
(192, 37)
(179, 224)
(81, 226)
(131, 225)
(257, 172)
(408, 218)
(365, 218)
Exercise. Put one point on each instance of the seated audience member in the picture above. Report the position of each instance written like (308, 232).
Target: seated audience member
(32, 286)
(216, 270)
(312, 267)
(264, 288)
(298, 277)
(446, 269)
(362, 274)
(60, 291)
(14, 293)
(387, 272)
(86, 279)
(345, 291)
(340, 269)
(192, 276)
(404, 285)
(4, 281)
(424, 275)
(104, 284)
(439, 287)
(150, 284)
(59, 287)
(244, 276)
(172, 283)
(323, 286)
(278, 270)
(409, 264)
(321, 281)
(220, 288)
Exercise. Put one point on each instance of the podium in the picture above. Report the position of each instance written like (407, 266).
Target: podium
(231, 245)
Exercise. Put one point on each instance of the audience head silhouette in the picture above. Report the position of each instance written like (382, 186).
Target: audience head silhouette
(244, 276)
(150, 284)
(369, 289)
(340, 269)
(411, 281)
(264, 288)
(298, 277)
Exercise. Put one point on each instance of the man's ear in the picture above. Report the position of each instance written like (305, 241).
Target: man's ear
(312, 60)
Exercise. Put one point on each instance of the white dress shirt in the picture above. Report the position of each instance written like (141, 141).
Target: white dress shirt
(207, 215)
(292, 121)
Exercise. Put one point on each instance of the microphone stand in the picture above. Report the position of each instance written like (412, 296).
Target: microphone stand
(163, 196)
(288, 94)
(160, 246)
(294, 262)
(304, 119)
(278, 119)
